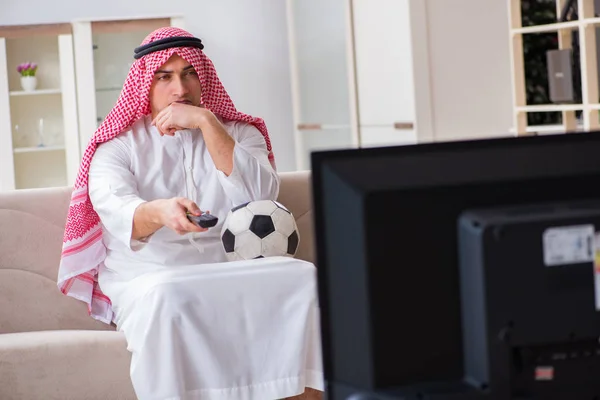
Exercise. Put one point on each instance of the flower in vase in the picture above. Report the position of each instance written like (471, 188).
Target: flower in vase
(27, 69)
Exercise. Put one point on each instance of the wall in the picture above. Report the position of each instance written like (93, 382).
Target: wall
(470, 68)
(247, 41)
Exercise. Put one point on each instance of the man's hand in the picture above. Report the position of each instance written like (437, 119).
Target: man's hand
(153, 215)
(179, 116)
(219, 143)
(173, 215)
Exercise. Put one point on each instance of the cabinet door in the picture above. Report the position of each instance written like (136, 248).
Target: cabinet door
(320, 55)
(384, 69)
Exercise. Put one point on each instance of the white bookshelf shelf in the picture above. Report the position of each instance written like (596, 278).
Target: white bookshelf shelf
(548, 129)
(548, 27)
(559, 26)
(37, 149)
(557, 107)
(35, 92)
(591, 21)
(551, 108)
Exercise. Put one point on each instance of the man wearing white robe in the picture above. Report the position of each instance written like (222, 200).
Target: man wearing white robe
(198, 327)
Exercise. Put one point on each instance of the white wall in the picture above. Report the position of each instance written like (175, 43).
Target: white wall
(470, 68)
(247, 41)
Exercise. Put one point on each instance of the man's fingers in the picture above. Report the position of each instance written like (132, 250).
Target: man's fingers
(161, 120)
(190, 206)
(159, 116)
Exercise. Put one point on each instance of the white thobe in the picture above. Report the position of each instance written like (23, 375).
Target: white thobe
(199, 327)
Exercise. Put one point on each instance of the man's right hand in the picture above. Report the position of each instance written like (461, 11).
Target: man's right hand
(171, 213)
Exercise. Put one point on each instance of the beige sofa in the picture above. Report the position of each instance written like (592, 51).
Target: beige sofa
(49, 347)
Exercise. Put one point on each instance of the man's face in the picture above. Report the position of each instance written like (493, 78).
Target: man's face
(175, 81)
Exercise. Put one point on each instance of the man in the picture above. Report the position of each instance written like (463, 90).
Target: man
(198, 327)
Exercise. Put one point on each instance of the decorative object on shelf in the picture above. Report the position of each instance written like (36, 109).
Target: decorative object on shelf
(18, 136)
(41, 133)
(28, 78)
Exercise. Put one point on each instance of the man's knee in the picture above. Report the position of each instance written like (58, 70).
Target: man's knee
(166, 292)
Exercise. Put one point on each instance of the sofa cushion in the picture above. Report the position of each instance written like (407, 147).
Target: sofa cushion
(29, 258)
(65, 365)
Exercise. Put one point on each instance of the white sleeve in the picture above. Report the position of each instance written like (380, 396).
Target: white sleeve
(252, 177)
(113, 191)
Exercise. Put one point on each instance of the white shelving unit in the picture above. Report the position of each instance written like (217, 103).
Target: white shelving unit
(350, 88)
(82, 67)
(586, 26)
(38, 129)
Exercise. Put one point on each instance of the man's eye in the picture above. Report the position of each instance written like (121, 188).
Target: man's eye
(192, 72)
(163, 77)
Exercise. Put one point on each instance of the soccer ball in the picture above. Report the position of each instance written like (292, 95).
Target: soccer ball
(262, 228)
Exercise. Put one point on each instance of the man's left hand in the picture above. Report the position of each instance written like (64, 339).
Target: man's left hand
(178, 116)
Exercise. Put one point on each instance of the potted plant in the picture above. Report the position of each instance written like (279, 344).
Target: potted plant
(28, 78)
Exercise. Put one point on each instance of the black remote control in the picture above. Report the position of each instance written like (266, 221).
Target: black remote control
(203, 220)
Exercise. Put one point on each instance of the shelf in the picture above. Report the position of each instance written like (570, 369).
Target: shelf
(591, 21)
(35, 92)
(551, 108)
(552, 27)
(109, 89)
(556, 27)
(547, 129)
(37, 149)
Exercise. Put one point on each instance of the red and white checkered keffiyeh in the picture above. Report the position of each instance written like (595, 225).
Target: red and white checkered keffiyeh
(83, 250)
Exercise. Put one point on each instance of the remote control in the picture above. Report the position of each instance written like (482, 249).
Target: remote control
(203, 220)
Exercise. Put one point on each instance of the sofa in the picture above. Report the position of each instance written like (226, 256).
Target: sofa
(50, 348)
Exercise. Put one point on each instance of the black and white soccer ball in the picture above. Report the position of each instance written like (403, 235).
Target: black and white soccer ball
(262, 228)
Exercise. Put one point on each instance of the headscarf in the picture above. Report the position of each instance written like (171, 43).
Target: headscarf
(83, 250)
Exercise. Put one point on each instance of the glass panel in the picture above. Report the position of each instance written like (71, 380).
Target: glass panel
(113, 56)
(320, 46)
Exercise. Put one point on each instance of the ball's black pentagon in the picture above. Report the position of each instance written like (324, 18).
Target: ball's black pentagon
(238, 207)
(283, 208)
(293, 243)
(262, 225)
(228, 239)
